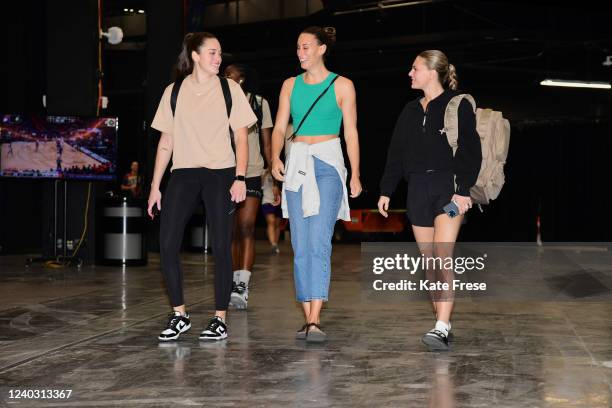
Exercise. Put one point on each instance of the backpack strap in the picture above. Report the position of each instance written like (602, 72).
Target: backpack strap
(451, 123)
(174, 95)
(256, 102)
(312, 106)
(451, 119)
(227, 95)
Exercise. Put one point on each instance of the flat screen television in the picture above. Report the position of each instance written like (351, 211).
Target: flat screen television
(66, 147)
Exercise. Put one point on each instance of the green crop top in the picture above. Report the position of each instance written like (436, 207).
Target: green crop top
(326, 116)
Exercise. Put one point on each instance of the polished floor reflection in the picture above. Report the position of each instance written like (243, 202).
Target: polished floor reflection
(94, 330)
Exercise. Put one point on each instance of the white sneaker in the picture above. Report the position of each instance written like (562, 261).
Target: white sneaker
(177, 324)
(240, 296)
(216, 330)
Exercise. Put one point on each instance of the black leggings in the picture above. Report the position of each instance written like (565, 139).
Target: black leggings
(186, 188)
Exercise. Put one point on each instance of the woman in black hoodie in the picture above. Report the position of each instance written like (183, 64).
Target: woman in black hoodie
(420, 153)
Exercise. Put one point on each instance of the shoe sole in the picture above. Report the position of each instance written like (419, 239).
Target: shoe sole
(316, 337)
(238, 302)
(300, 335)
(434, 344)
(212, 338)
(186, 328)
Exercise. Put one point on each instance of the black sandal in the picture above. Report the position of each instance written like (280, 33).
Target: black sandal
(301, 334)
(317, 336)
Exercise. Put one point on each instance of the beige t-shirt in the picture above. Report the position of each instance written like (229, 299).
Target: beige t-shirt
(256, 161)
(200, 126)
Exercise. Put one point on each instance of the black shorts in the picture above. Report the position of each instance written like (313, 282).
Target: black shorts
(268, 208)
(253, 187)
(428, 193)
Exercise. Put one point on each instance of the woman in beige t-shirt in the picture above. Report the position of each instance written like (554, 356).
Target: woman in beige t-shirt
(243, 244)
(204, 168)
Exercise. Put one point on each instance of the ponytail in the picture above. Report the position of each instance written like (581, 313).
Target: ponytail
(452, 80)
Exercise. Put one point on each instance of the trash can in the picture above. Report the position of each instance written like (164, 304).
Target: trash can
(122, 231)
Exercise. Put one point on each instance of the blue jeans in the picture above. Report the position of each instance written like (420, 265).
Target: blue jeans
(311, 236)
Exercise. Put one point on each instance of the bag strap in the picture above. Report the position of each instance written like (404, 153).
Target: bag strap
(451, 119)
(451, 123)
(227, 95)
(256, 102)
(313, 105)
(174, 96)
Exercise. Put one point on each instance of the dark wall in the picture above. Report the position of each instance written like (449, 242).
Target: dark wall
(53, 49)
(165, 32)
(71, 36)
(22, 40)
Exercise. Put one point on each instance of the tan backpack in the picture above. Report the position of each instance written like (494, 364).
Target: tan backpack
(494, 132)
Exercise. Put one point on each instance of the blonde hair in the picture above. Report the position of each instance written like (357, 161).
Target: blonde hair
(438, 61)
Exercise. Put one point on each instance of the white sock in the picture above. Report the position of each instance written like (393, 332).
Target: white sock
(237, 276)
(443, 327)
(245, 276)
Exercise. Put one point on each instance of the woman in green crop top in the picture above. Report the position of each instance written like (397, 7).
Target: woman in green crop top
(315, 195)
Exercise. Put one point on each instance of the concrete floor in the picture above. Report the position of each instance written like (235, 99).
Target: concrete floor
(94, 330)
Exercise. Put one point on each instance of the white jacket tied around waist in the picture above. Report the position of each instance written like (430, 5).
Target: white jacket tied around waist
(299, 172)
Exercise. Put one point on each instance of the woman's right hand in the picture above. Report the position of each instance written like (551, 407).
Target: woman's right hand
(278, 169)
(383, 206)
(154, 199)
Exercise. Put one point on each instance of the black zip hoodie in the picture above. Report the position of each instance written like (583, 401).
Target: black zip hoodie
(419, 144)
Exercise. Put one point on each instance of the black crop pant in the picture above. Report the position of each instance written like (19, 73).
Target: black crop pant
(186, 188)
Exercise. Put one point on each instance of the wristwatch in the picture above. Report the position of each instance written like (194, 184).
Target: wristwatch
(239, 178)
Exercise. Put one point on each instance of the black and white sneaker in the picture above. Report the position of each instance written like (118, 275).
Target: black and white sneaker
(240, 296)
(436, 340)
(177, 324)
(216, 330)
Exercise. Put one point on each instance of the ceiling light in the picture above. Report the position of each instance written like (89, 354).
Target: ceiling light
(576, 84)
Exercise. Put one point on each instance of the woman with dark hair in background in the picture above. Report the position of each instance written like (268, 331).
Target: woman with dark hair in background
(205, 168)
(314, 189)
(271, 209)
(132, 181)
(420, 153)
(243, 244)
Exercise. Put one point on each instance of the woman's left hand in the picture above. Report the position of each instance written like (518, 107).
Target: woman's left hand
(238, 191)
(464, 203)
(355, 185)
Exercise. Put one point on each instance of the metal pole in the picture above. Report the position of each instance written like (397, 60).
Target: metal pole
(205, 236)
(65, 212)
(55, 218)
